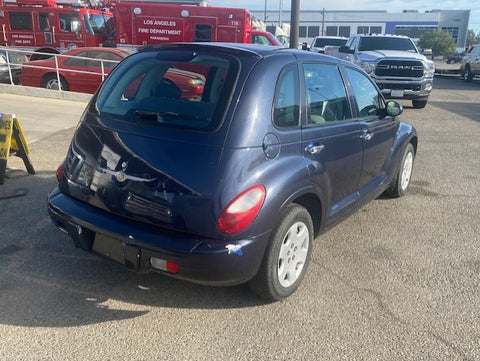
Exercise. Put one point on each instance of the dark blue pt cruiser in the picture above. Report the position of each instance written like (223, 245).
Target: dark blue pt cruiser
(231, 183)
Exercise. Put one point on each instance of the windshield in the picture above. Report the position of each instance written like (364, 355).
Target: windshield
(176, 89)
(277, 41)
(322, 42)
(386, 43)
(95, 23)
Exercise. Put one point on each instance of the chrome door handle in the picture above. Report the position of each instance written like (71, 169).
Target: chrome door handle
(366, 136)
(314, 149)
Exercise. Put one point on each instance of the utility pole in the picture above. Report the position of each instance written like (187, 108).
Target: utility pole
(280, 13)
(294, 21)
(323, 22)
(265, 13)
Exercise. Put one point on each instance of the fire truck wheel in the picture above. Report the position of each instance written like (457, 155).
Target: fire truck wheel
(50, 81)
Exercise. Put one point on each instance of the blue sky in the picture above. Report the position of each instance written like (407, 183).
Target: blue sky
(389, 5)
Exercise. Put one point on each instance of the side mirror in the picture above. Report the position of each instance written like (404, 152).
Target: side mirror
(305, 46)
(393, 108)
(345, 49)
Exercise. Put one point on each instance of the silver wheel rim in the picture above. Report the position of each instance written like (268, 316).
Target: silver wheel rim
(407, 170)
(293, 254)
(53, 84)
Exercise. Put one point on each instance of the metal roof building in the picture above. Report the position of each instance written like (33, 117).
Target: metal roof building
(348, 22)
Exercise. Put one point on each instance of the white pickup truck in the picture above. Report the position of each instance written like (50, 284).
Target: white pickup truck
(470, 66)
(394, 63)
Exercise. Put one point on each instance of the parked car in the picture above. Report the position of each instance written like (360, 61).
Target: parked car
(454, 58)
(320, 42)
(470, 66)
(80, 70)
(233, 187)
(394, 63)
(11, 65)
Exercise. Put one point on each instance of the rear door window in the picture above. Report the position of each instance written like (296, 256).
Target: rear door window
(177, 89)
(326, 96)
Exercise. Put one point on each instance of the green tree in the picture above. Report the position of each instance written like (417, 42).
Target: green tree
(441, 42)
(472, 38)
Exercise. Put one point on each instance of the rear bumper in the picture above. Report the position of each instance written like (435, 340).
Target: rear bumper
(204, 261)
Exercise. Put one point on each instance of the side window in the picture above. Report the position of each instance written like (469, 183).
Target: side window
(260, 39)
(43, 22)
(326, 96)
(67, 20)
(368, 99)
(76, 60)
(286, 104)
(20, 20)
(354, 44)
(112, 59)
(203, 32)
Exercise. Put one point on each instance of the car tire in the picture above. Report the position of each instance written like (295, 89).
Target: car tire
(50, 81)
(467, 74)
(400, 185)
(419, 104)
(287, 255)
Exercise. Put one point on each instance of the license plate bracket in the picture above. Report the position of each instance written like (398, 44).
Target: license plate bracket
(397, 93)
(109, 247)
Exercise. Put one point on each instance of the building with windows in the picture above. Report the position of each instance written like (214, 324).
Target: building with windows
(348, 22)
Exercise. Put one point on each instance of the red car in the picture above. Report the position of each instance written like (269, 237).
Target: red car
(80, 70)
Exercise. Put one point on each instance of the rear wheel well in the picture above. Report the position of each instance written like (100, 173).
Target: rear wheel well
(313, 205)
(49, 76)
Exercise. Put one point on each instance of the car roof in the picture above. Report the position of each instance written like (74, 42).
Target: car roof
(254, 50)
(94, 48)
(330, 37)
(393, 36)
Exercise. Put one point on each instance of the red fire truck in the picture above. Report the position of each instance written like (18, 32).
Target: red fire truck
(146, 23)
(51, 26)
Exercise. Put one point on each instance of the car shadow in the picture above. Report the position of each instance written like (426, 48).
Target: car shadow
(46, 282)
(454, 82)
(467, 110)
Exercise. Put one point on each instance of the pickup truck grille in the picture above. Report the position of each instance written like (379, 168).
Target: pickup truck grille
(399, 68)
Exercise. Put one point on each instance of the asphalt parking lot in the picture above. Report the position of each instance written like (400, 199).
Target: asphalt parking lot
(399, 280)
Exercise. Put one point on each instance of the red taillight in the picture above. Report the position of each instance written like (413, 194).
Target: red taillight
(242, 210)
(60, 170)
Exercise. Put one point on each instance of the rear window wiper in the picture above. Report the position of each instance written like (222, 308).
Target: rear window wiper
(146, 115)
(156, 116)
(166, 116)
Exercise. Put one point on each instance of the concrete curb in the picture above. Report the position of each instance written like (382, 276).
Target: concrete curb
(44, 93)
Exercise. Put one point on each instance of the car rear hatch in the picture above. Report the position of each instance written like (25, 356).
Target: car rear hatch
(145, 152)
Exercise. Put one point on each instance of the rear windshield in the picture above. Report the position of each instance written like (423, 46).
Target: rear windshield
(177, 89)
(386, 43)
(322, 42)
